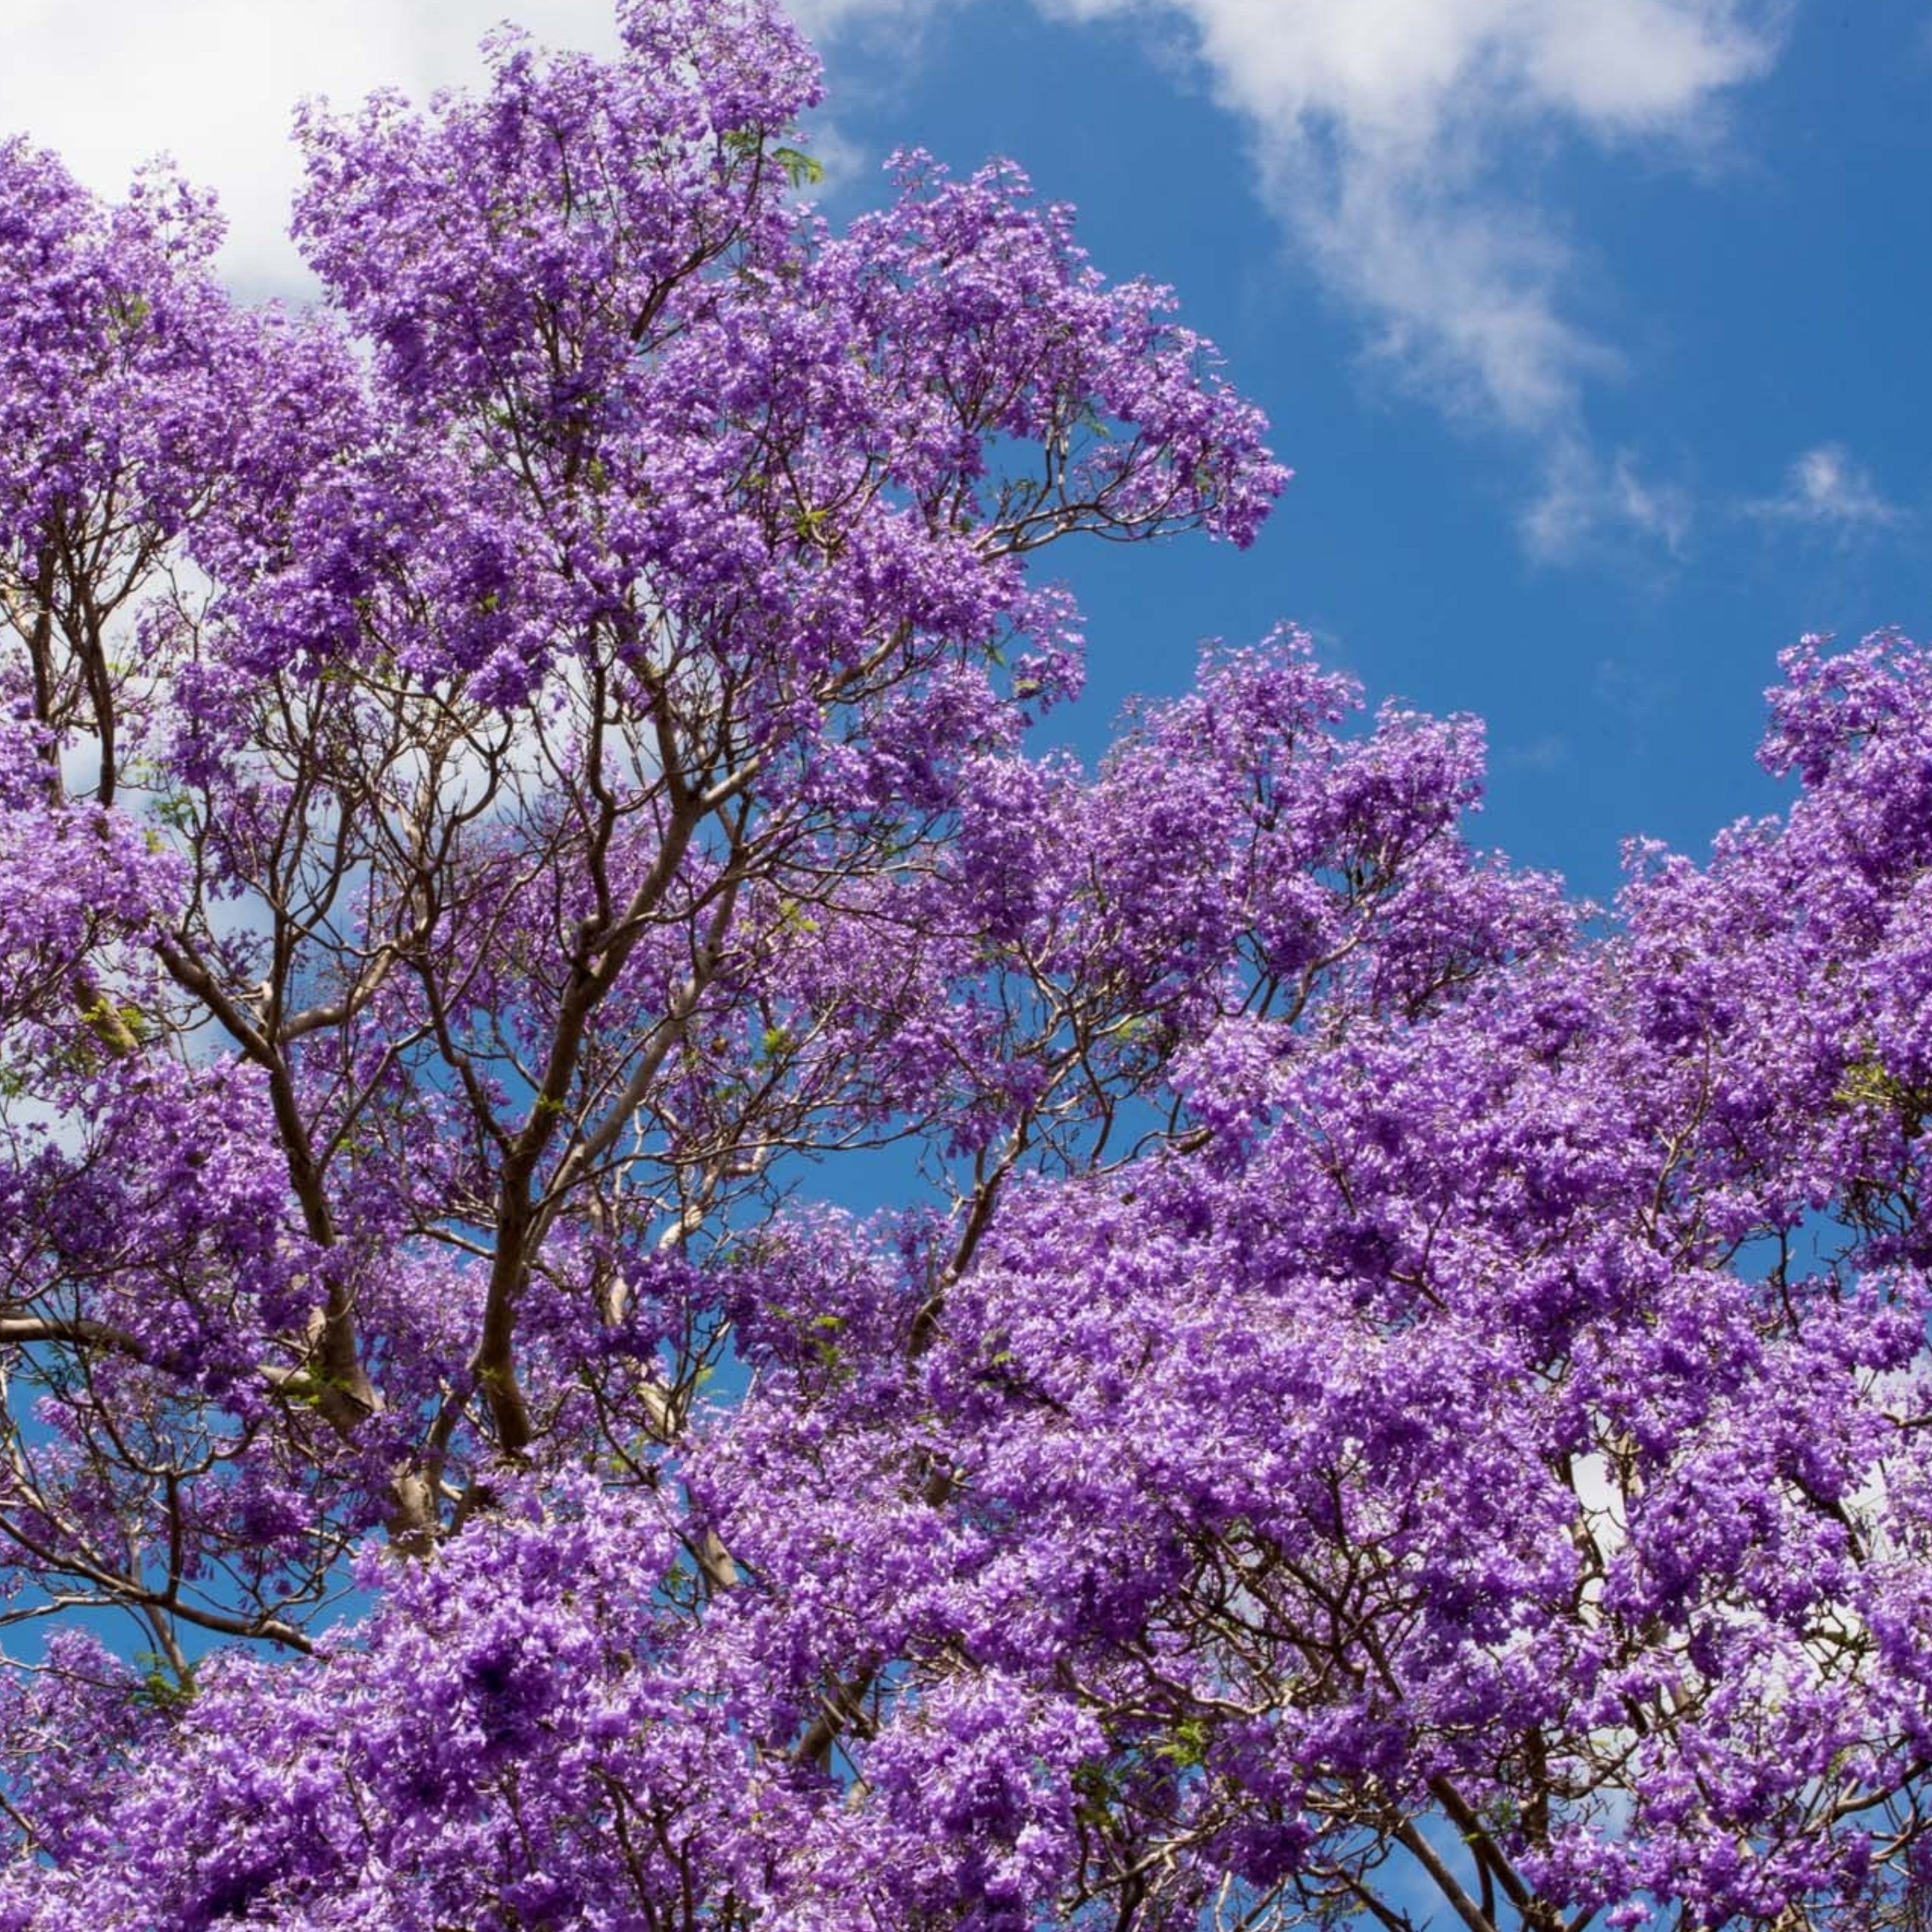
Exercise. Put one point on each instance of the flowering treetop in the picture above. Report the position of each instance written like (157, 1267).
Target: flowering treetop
(1390, 1386)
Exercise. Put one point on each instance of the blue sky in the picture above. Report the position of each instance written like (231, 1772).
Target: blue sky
(1592, 328)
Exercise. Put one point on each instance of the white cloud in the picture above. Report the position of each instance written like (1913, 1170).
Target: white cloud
(1395, 74)
(1824, 489)
(1548, 753)
(847, 164)
(214, 83)
(1636, 695)
(1584, 500)
(1381, 128)
(820, 17)
(1385, 132)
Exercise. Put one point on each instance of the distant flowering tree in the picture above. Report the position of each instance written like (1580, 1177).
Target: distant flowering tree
(1399, 1399)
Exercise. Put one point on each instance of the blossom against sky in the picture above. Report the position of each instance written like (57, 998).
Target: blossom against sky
(1591, 327)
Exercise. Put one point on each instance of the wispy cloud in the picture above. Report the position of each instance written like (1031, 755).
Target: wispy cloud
(1548, 754)
(1384, 133)
(1825, 491)
(1635, 694)
(1384, 130)
(1585, 499)
(820, 17)
(215, 83)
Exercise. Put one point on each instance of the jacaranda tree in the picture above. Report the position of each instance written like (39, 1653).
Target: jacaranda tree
(1390, 1396)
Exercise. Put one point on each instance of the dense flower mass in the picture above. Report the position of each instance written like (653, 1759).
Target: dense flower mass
(1393, 1394)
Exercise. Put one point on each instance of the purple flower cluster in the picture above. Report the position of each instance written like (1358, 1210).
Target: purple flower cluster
(1396, 1386)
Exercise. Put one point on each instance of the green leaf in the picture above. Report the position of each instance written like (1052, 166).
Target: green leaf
(160, 1689)
(1186, 1745)
(801, 169)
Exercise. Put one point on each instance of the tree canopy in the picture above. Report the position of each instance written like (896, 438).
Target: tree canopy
(1394, 1395)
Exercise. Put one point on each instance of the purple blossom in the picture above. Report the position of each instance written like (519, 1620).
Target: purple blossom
(1386, 1378)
